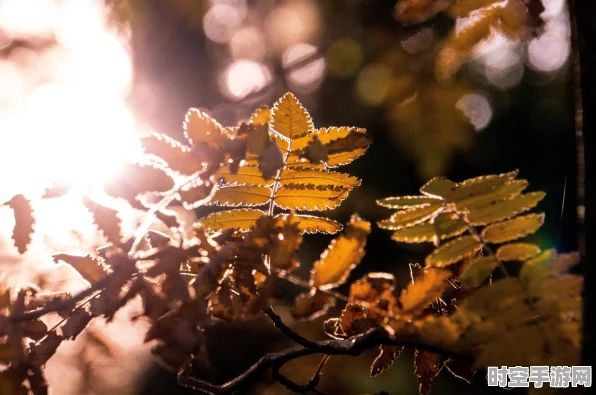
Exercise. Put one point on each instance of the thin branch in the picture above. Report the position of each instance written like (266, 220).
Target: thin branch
(354, 347)
(62, 304)
(286, 330)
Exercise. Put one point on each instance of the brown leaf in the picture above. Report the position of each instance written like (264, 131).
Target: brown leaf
(426, 367)
(42, 351)
(88, 267)
(157, 239)
(76, 323)
(37, 381)
(270, 160)
(170, 357)
(106, 219)
(387, 354)
(24, 221)
(461, 369)
(35, 329)
(168, 260)
(311, 305)
(342, 255)
(135, 179)
(424, 290)
(354, 320)
(57, 190)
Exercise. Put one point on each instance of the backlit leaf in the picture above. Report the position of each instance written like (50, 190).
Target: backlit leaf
(478, 271)
(106, 219)
(538, 266)
(444, 226)
(479, 186)
(453, 251)
(88, 267)
(201, 128)
(24, 221)
(405, 218)
(447, 225)
(311, 305)
(242, 219)
(426, 367)
(517, 251)
(270, 160)
(400, 202)
(244, 175)
(438, 187)
(261, 116)
(177, 156)
(504, 209)
(387, 354)
(424, 290)
(512, 229)
(342, 255)
(507, 191)
(297, 196)
(312, 224)
(241, 195)
(290, 119)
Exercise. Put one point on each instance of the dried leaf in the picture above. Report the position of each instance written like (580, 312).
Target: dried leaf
(426, 367)
(45, 349)
(201, 128)
(342, 255)
(106, 219)
(354, 320)
(424, 290)
(35, 329)
(453, 251)
(88, 267)
(270, 160)
(311, 305)
(387, 354)
(75, 324)
(24, 221)
(512, 229)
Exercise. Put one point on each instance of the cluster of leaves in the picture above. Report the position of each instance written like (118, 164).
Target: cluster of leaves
(453, 312)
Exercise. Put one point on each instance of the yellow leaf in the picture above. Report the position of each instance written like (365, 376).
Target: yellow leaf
(241, 195)
(504, 209)
(327, 179)
(242, 219)
(445, 225)
(463, 8)
(290, 119)
(424, 290)
(507, 191)
(405, 218)
(201, 128)
(539, 266)
(449, 225)
(453, 251)
(438, 187)
(245, 175)
(479, 186)
(512, 229)
(312, 224)
(342, 255)
(517, 251)
(406, 202)
(297, 196)
(478, 271)
(261, 116)
(178, 157)
(311, 305)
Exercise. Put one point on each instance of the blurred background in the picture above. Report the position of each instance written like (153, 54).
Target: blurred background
(458, 88)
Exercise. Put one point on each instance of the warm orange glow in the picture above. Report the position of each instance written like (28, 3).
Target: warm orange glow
(63, 111)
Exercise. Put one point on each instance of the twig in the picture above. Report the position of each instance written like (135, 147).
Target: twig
(354, 347)
(286, 330)
(62, 304)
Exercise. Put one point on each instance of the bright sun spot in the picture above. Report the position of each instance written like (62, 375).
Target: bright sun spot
(64, 116)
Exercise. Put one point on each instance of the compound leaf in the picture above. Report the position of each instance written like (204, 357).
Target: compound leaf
(201, 128)
(242, 219)
(504, 209)
(400, 202)
(478, 271)
(405, 218)
(517, 252)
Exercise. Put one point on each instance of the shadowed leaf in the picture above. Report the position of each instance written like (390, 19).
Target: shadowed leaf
(24, 221)
(453, 251)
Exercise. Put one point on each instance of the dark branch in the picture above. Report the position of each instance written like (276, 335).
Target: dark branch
(286, 330)
(353, 347)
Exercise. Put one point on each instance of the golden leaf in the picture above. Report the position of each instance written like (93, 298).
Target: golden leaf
(507, 191)
(297, 196)
(261, 116)
(438, 187)
(444, 226)
(517, 252)
(312, 224)
(406, 202)
(478, 271)
(290, 119)
(478, 186)
(418, 11)
(342, 255)
(512, 229)
(177, 156)
(242, 219)
(241, 195)
(424, 290)
(201, 128)
(405, 218)
(504, 209)
(453, 251)
(244, 175)
(311, 305)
